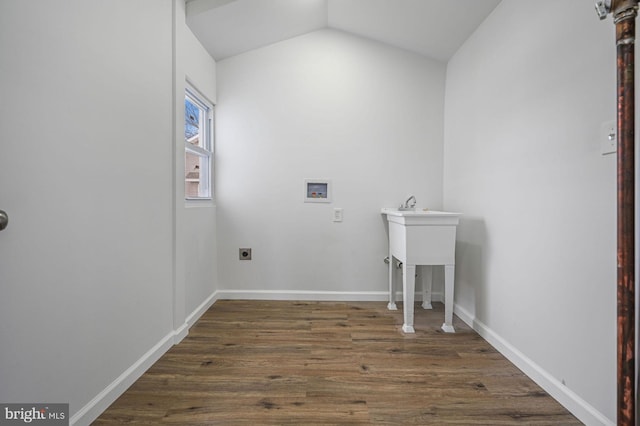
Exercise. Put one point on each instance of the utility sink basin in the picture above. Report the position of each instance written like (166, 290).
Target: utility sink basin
(424, 238)
(417, 212)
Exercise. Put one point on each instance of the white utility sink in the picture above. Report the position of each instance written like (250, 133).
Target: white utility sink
(420, 237)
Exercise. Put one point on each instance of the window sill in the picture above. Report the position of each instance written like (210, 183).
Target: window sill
(199, 202)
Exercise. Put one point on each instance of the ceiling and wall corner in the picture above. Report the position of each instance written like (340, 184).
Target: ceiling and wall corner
(432, 28)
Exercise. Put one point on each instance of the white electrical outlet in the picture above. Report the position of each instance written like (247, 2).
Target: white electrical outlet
(337, 214)
(608, 137)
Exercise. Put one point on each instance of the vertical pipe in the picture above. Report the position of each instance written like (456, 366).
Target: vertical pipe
(624, 14)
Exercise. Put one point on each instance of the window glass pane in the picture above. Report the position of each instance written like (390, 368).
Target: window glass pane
(195, 179)
(193, 117)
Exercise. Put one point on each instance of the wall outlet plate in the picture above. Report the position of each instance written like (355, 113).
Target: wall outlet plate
(608, 137)
(244, 254)
(337, 214)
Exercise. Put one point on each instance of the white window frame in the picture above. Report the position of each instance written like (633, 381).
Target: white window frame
(205, 152)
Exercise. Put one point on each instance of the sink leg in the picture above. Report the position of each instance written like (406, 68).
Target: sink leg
(408, 295)
(392, 288)
(449, 271)
(426, 275)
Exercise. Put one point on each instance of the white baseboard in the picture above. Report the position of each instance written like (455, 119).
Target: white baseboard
(325, 296)
(180, 333)
(334, 296)
(104, 399)
(200, 310)
(585, 412)
(565, 396)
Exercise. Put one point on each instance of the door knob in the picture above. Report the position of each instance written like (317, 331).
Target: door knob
(4, 219)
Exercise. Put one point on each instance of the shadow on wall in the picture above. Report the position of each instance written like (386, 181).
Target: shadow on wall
(471, 275)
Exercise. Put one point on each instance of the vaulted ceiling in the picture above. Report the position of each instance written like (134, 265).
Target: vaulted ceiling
(433, 28)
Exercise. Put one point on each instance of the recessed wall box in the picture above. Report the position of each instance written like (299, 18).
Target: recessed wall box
(317, 191)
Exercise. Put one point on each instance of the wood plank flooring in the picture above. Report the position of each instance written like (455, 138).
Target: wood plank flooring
(304, 363)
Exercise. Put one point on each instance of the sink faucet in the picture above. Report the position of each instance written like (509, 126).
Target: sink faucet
(413, 204)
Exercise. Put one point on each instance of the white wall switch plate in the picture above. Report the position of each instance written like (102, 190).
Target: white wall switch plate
(608, 137)
(337, 215)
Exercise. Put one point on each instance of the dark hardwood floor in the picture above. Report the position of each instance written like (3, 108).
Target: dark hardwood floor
(306, 363)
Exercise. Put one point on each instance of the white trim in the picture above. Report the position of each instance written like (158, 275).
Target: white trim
(180, 333)
(207, 135)
(196, 150)
(333, 296)
(325, 296)
(565, 396)
(200, 310)
(580, 408)
(104, 399)
(192, 318)
(190, 86)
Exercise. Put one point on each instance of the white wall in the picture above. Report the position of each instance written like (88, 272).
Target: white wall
(536, 259)
(88, 176)
(323, 105)
(196, 256)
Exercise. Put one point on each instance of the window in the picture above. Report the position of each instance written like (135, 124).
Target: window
(198, 146)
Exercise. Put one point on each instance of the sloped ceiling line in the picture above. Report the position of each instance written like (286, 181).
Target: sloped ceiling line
(433, 28)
